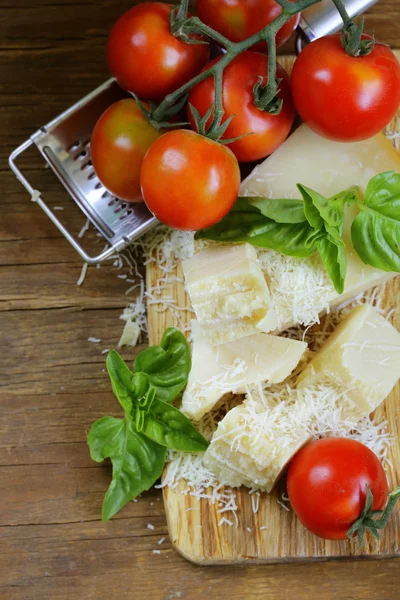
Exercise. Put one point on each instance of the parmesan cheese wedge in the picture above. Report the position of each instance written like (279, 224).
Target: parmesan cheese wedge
(228, 293)
(235, 366)
(360, 359)
(328, 167)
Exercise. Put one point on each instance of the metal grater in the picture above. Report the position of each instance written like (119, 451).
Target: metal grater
(65, 145)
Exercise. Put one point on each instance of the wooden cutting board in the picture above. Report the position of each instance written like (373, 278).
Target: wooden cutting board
(273, 534)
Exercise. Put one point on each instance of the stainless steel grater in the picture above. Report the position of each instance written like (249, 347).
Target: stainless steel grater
(65, 145)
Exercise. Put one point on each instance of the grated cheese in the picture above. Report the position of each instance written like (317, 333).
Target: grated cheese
(94, 340)
(84, 229)
(300, 289)
(83, 274)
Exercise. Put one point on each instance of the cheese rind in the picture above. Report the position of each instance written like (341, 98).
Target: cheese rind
(228, 292)
(235, 366)
(361, 359)
(327, 167)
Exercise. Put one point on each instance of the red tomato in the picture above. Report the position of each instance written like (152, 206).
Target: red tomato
(146, 58)
(239, 19)
(119, 141)
(342, 97)
(188, 181)
(326, 485)
(240, 76)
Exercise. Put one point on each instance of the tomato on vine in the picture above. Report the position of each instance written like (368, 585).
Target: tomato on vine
(144, 56)
(239, 19)
(118, 144)
(188, 181)
(342, 97)
(263, 132)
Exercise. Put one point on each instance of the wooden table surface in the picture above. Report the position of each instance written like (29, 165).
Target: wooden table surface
(53, 385)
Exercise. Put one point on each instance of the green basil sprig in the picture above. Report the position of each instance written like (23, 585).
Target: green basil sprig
(137, 443)
(375, 231)
(300, 228)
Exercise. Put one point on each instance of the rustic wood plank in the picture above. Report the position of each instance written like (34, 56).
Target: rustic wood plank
(52, 53)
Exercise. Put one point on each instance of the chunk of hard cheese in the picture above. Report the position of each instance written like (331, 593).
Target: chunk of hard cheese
(328, 167)
(235, 366)
(253, 444)
(228, 293)
(361, 359)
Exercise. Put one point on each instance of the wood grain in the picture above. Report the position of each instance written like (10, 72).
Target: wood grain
(273, 534)
(53, 545)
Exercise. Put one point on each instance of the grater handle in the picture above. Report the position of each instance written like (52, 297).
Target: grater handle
(324, 19)
(91, 260)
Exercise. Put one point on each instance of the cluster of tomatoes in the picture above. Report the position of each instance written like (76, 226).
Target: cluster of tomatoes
(187, 180)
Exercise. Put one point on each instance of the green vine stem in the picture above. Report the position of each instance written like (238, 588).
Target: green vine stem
(266, 96)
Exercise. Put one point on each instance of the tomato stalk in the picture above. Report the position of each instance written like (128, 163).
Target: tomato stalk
(266, 96)
(352, 41)
(373, 520)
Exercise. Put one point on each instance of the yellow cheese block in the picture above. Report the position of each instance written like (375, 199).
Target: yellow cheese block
(228, 293)
(361, 359)
(235, 367)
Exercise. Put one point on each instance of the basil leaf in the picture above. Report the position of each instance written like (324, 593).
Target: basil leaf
(377, 241)
(334, 258)
(140, 385)
(242, 204)
(293, 239)
(137, 461)
(285, 210)
(121, 379)
(166, 425)
(326, 212)
(167, 365)
(311, 209)
(383, 194)
(375, 231)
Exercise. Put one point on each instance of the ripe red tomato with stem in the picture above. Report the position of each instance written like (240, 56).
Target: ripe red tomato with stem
(327, 482)
(342, 97)
(188, 181)
(266, 131)
(144, 56)
(239, 19)
(120, 139)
